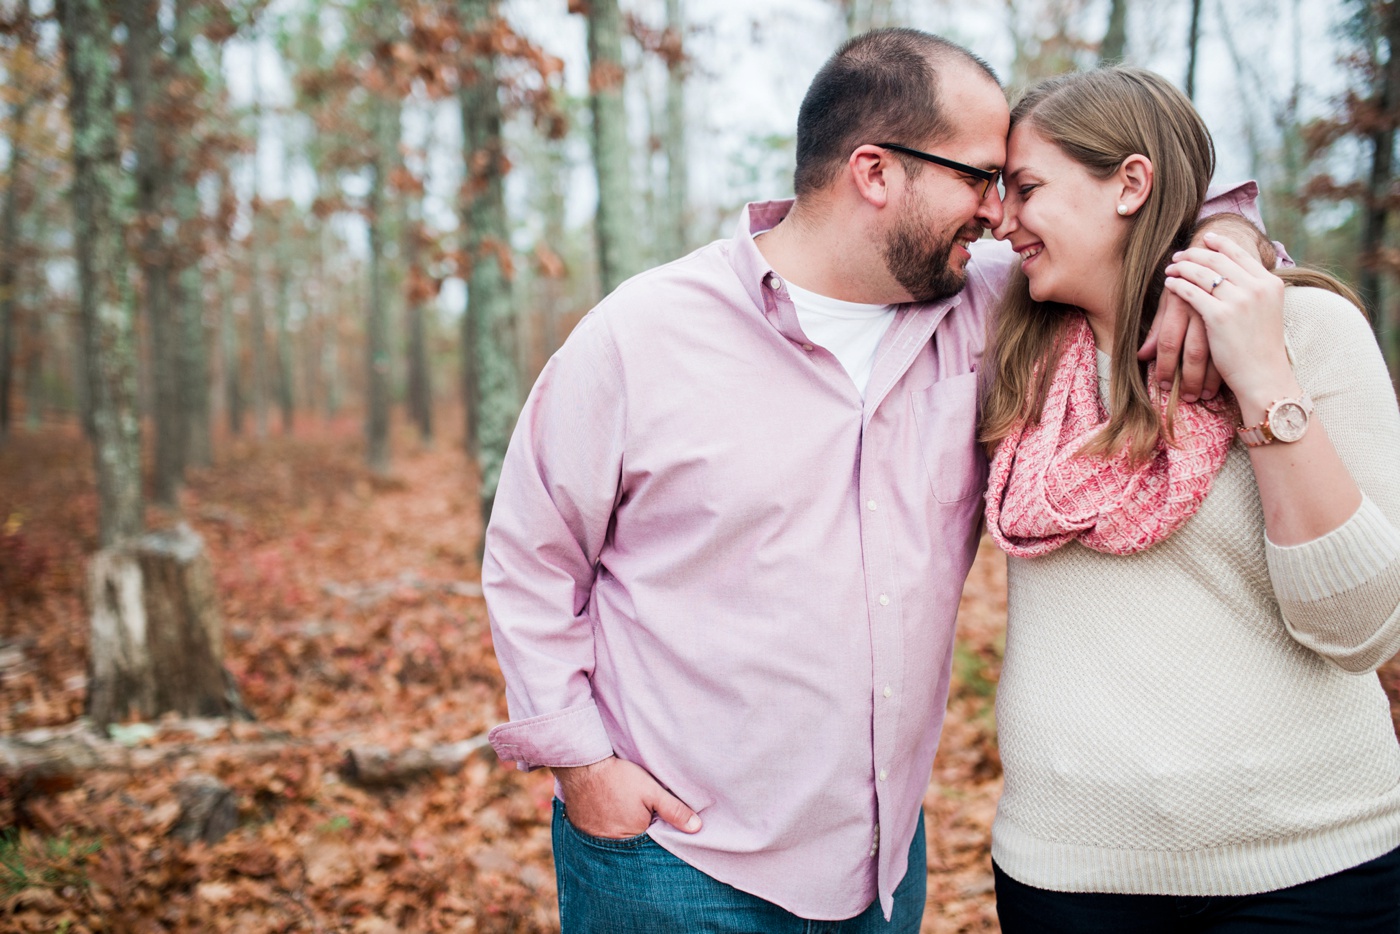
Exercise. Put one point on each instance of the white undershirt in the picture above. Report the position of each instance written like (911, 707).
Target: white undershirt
(851, 331)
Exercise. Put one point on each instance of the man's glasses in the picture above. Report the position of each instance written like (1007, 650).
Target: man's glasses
(988, 177)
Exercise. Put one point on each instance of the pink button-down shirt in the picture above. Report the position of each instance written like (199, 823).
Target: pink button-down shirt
(708, 556)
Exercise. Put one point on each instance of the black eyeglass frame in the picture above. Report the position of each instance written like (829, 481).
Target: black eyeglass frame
(988, 176)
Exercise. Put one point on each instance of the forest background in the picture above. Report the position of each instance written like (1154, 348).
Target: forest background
(274, 278)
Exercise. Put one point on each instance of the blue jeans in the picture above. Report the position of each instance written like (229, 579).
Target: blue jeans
(634, 886)
(1362, 900)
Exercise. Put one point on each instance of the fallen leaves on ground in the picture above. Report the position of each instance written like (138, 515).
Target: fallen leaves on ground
(352, 617)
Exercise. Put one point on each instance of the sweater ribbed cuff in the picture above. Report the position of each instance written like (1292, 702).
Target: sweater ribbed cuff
(1354, 553)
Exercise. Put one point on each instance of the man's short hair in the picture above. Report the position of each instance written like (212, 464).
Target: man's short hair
(880, 87)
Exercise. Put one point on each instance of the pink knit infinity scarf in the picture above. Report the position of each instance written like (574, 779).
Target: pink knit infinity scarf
(1041, 496)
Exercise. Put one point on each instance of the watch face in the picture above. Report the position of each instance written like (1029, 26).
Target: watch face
(1288, 422)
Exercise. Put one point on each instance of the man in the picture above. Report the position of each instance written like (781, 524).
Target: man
(735, 519)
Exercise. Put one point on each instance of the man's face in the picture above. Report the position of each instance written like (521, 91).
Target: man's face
(943, 211)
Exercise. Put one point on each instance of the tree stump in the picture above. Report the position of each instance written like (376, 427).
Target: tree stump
(157, 639)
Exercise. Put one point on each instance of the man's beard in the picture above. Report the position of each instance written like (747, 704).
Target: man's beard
(920, 266)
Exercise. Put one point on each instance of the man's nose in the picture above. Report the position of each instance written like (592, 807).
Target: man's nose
(990, 212)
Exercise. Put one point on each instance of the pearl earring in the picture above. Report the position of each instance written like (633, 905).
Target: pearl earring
(1122, 210)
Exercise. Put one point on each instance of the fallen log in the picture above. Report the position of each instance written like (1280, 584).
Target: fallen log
(46, 762)
(367, 594)
(377, 766)
(49, 760)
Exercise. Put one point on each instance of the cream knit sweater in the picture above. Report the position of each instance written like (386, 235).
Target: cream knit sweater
(1202, 718)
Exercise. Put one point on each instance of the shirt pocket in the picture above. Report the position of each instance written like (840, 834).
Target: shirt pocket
(946, 417)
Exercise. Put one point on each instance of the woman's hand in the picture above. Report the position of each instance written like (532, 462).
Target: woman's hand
(1243, 314)
(1304, 487)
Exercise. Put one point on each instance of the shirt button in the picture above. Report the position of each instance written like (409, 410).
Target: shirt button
(884, 600)
(884, 775)
(775, 283)
(806, 346)
(870, 504)
(888, 692)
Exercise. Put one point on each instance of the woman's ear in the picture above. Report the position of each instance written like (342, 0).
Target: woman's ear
(1135, 178)
(869, 167)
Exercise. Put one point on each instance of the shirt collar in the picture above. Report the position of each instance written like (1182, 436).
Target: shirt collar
(750, 264)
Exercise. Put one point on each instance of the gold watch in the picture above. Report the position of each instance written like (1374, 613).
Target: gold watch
(1285, 420)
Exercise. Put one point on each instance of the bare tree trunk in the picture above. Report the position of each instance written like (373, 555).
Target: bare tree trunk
(1249, 83)
(35, 396)
(82, 369)
(616, 224)
(1115, 39)
(155, 641)
(285, 396)
(470, 403)
(153, 193)
(330, 361)
(651, 236)
(1193, 41)
(257, 318)
(677, 169)
(9, 262)
(1293, 230)
(199, 443)
(555, 215)
(488, 243)
(228, 342)
(420, 386)
(110, 356)
(1376, 217)
(313, 330)
(377, 306)
(224, 337)
(330, 328)
(189, 278)
(257, 328)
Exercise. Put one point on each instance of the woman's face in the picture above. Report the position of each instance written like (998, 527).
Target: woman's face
(1065, 224)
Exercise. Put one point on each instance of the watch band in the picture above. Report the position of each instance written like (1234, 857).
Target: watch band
(1256, 436)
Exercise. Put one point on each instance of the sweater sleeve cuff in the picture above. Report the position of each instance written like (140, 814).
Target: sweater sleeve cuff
(569, 737)
(1355, 553)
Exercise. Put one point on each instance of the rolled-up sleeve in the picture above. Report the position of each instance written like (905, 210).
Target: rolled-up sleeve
(1340, 593)
(558, 488)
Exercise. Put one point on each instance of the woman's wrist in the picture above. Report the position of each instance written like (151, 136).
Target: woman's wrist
(1255, 397)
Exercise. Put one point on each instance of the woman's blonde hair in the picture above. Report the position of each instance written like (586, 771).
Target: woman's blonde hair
(1100, 118)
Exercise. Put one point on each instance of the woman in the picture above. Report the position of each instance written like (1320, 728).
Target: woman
(1192, 734)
